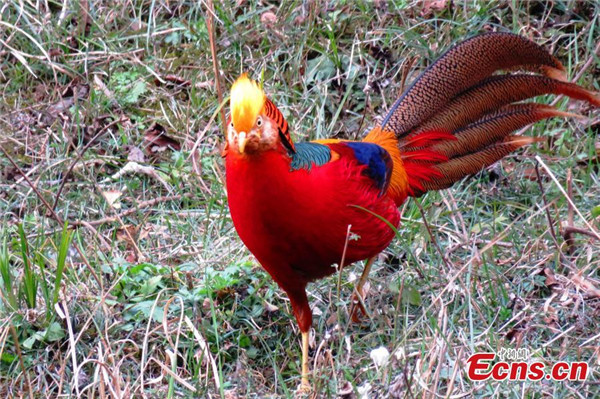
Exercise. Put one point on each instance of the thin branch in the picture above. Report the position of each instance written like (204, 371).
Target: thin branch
(433, 239)
(13, 332)
(213, 51)
(562, 190)
(548, 216)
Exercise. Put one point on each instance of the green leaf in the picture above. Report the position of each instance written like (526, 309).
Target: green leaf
(29, 342)
(129, 86)
(596, 211)
(145, 307)
(7, 358)
(244, 341)
(411, 295)
(54, 332)
(173, 38)
(150, 285)
(133, 270)
(135, 92)
(252, 353)
(320, 69)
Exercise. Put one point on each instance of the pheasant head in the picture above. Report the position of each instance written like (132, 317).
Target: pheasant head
(256, 125)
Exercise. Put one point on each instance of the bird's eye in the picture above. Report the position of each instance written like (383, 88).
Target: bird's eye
(259, 121)
(231, 124)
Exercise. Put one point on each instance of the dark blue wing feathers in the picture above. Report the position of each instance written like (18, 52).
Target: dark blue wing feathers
(377, 160)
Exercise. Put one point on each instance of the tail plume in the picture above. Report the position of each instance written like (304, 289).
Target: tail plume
(457, 117)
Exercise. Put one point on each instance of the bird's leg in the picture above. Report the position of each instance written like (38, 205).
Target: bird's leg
(305, 387)
(357, 296)
(297, 295)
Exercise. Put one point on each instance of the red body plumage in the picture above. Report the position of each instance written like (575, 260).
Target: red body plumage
(296, 223)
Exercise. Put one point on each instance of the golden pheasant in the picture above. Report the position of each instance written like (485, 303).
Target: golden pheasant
(294, 205)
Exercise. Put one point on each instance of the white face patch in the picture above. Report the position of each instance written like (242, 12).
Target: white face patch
(269, 134)
(231, 135)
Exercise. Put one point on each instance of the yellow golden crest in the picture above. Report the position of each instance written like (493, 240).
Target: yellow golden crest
(246, 102)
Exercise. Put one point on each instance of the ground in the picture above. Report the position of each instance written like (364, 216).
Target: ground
(110, 125)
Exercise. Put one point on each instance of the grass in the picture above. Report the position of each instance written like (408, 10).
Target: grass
(149, 291)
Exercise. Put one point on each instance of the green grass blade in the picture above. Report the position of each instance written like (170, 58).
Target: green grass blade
(38, 259)
(65, 242)
(6, 275)
(29, 278)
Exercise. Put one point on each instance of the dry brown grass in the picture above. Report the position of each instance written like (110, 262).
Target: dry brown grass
(159, 297)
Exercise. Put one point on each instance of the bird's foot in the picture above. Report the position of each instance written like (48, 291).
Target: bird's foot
(361, 289)
(357, 307)
(303, 389)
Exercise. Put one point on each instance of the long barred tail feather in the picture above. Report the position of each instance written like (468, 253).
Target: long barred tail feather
(498, 91)
(457, 168)
(462, 67)
(493, 128)
(457, 117)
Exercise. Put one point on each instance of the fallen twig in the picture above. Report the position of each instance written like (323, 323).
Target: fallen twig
(135, 167)
(570, 230)
(143, 204)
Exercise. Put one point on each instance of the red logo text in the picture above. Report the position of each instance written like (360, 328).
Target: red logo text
(481, 367)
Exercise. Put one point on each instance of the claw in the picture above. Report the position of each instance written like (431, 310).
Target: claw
(303, 389)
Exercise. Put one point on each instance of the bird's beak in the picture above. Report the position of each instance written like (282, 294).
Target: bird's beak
(242, 140)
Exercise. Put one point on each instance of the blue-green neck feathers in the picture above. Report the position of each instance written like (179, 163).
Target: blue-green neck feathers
(309, 154)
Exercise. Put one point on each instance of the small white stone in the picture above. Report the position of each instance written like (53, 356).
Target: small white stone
(399, 354)
(352, 277)
(380, 356)
(364, 390)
